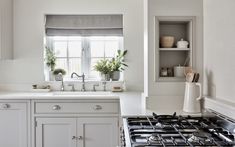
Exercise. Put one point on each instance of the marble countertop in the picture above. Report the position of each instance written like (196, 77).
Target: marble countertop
(130, 102)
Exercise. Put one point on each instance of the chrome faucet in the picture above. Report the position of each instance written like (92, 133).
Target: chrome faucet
(83, 79)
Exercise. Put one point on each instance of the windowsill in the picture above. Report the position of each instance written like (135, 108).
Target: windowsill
(86, 80)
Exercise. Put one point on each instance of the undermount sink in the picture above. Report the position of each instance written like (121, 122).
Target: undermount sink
(89, 93)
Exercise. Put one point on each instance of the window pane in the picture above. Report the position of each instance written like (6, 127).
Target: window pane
(94, 73)
(97, 48)
(75, 48)
(75, 65)
(62, 63)
(111, 48)
(60, 48)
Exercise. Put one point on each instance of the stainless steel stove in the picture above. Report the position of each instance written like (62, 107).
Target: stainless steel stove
(173, 130)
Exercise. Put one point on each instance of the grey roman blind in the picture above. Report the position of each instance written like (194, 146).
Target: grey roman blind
(84, 25)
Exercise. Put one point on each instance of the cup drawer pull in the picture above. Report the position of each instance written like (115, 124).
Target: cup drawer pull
(97, 107)
(56, 107)
(6, 106)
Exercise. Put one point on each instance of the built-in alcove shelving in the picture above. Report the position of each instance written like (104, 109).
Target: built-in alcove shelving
(168, 58)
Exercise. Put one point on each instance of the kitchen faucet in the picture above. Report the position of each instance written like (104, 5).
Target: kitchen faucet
(83, 79)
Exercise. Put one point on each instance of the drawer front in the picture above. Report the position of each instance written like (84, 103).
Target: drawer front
(12, 106)
(111, 107)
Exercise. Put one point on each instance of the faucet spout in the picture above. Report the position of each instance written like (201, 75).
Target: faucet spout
(83, 79)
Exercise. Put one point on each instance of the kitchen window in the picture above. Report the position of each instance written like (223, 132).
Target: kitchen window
(79, 41)
(80, 54)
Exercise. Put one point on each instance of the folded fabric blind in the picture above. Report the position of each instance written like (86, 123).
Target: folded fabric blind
(84, 25)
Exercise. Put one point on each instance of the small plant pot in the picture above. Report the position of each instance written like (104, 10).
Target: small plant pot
(104, 77)
(58, 77)
(115, 76)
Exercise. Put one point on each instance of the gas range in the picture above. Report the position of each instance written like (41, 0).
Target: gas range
(173, 130)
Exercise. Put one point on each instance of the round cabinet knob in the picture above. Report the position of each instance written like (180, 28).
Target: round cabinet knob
(56, 107)
(80, 137)
(74, 137)
(97, 107)
(6, 106)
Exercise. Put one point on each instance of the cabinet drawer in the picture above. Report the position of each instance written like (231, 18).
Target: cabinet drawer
(81, 107)
(12, 106)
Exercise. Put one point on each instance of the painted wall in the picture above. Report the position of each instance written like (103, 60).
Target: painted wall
(219, 49)
(171, 91)
(27, 66)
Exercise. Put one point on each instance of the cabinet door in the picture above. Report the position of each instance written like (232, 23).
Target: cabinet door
(56, 132)
(13, 125)
(97, 132)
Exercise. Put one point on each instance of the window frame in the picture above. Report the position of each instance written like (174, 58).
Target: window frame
(85, 52)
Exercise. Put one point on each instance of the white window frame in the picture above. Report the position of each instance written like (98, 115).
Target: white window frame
(85, 54)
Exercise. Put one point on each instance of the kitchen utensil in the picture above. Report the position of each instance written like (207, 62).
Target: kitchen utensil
(194, 77)
(167, 41)
(190, 77)
(192, 97)
(197, 78)
(182, 44)
(188, 70)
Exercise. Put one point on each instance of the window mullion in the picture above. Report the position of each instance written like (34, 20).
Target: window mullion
(68, 55)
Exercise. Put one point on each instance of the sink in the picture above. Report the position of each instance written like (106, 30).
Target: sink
(85, 93)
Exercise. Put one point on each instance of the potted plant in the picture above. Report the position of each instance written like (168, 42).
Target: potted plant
(118, 64)
(59, 73)
(104, 68)
(50, 62)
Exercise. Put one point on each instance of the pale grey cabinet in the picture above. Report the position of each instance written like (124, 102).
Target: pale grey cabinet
(76, 123)
(56, 132)
(14, 124)
(97, 132)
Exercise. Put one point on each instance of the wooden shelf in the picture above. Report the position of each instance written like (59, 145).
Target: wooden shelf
(174, 49)
(171, 79)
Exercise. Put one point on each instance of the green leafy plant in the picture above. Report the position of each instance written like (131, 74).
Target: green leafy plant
(59, 70)
(117, 63)
(50, 59)
(103, 66)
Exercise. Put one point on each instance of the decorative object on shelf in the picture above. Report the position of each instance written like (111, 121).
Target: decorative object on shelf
(59, 73)
(182, 44)
(118, 64)
(163, 72)
(179, 71)
(117, 89)
(167, 41)
(41, 88)
(170, 72)
(104, 68)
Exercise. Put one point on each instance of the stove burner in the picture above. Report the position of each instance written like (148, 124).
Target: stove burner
(199, 136)
(153, 138)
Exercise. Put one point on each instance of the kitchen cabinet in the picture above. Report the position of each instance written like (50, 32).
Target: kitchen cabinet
(56, 132)
(13, 124)
(6, 29)
(180, 27)
(76, 123)
(100, 132)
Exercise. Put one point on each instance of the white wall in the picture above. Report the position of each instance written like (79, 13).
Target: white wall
(27, 66)
(171, 92)
(219, 49)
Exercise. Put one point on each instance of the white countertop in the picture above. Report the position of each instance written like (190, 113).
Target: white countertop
(130, 102)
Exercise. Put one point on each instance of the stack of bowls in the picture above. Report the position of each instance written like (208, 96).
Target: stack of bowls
(167, 41)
